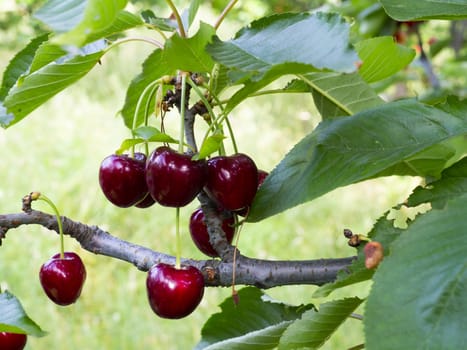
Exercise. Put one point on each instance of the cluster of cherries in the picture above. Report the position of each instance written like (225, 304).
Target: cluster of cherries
(174, 179)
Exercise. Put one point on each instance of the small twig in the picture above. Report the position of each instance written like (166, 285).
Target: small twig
(224, 13)
(426, 63)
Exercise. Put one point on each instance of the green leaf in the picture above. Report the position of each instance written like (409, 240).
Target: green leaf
(45, 54)
(20, 64)
(453, 183)
(318, 40)
(14, 319)
(164, 24)
(254, 86)
(418, 297)
(255, 323)
(382, 57)
(339, 94)
(154, 67)
(353, 149)
(425, 9)
(431, 161)
(123, 21)
(315, 327)
(145, 134)
(77, 27)
(41, 85)
(210, 145)
(49, 52)
(189, 54)
(192, 11)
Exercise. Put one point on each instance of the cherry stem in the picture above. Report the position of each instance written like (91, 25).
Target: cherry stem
(181, 29)
(178, 245)
(59, 221)
(146, 40)
(182, 114)
(206, 103)
(234, 260)
(224, 13)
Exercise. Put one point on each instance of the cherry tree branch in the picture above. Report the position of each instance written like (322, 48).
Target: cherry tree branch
(249, 271)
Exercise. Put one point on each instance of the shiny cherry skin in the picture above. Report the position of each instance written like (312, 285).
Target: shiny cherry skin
(199, 232)
(12, 341)
(63, 279)
(174, 179)
(232, 181)
(122, 179)
(174, 293)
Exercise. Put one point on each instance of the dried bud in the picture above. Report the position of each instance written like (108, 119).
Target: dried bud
(374, 254)
(348, 233)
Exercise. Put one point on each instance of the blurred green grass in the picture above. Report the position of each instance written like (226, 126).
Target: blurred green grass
(57, 150)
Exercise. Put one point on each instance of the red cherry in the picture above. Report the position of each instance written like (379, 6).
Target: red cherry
(199, 232)
(12, 341)
(174, 179)
(174, 293)
(232, 181)
(122, 179)
(63, 279)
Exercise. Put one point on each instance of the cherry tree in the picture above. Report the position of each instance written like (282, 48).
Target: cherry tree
(419, 278)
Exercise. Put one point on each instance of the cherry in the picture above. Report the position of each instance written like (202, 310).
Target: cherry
(199, 232)
(63, 279)
(122, 179)
(174, 179)
(12, 341)
(174, 293)
(232, 181)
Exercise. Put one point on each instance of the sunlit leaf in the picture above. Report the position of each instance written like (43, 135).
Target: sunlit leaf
(382, 57)
(44, 83)
(20, 64)
(209, 146)
(189, 54)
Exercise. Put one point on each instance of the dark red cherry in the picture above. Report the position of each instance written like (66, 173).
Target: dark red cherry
(174, 293)
(12, 341)
(232, 181)
(122, 179)
(199, 232)
(174, 179)
(63, 279)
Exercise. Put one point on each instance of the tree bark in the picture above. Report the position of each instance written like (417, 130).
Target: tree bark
(217, 273)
